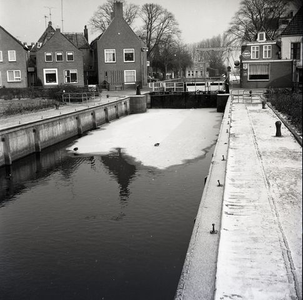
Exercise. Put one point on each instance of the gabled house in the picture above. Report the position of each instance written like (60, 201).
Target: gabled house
(261, 64)
(57, 59)
(292, 46)
(13, 61)
(120, 55)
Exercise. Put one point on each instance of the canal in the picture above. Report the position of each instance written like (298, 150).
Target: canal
(113, 222)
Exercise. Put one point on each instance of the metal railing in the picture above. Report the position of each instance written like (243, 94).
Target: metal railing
(78, 97)
(246, 96)
(190, 86)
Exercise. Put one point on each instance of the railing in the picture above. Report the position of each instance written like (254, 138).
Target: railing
(79, 97)
(190, 86)
(245, 96)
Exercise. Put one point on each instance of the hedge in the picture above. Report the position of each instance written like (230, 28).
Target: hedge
(290, 104)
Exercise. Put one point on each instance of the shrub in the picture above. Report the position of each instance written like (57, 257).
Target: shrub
(290, 104)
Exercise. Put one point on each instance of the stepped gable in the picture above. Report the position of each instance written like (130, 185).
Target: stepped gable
(295, 26)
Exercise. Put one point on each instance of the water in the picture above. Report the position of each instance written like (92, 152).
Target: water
(98, 227)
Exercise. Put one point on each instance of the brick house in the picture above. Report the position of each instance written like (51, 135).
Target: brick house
(13, 61)
(120, 55)
(261, 64)
(292, 46)
(57, 59)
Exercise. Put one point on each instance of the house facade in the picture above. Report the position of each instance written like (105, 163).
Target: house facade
(120, 55)
(13, 61)
(292, 46)
(57, 60)
(261, 65)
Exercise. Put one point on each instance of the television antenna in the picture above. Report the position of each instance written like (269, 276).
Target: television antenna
(50, 11)
(45, 17)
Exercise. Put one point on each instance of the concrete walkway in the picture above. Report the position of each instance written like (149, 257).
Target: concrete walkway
(260, 249)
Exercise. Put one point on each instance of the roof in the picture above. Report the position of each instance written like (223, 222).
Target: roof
(77, 39)
(19, 42)
(295, 26)
(47, 34)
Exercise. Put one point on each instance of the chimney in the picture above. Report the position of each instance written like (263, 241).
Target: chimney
(50, 23)
(118, 9)
(58, 29)
(86, 33)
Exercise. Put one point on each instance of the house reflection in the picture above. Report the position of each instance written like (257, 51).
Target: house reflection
(123, 171)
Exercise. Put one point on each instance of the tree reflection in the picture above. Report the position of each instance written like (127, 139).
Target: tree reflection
(124, 172)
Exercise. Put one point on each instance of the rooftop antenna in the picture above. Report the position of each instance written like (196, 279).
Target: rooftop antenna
(62, 14)
(50, 11)
(45, 17)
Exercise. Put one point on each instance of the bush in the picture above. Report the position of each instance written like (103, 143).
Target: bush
(290, 104)
(39, 92)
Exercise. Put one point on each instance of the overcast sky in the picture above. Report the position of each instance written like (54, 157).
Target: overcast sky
(198, 19)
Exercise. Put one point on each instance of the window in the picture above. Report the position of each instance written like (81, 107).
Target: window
(48, 56)
(1, 56)
(50, 76)
(70, 56)
(11, 55)
(254, 52)
(70, 76)
(267, 51)
(129, 76)
(295, 50)
(261, 37)
(258, 72)
(59, 56)
(110, 55)
(13, 75)
(129, 55)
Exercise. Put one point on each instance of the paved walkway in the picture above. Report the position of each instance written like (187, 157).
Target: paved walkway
(260, 250)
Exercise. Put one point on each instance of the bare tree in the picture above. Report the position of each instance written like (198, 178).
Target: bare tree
(102, 17)
(159, 26)
(257, 15)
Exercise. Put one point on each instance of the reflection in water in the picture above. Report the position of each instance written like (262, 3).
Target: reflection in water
(122, 171)
(30, 170)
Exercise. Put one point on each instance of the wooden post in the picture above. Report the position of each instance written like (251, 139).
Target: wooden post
(37, 140)
(6, 150)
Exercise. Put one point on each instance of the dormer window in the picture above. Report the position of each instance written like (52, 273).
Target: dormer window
(261, 37)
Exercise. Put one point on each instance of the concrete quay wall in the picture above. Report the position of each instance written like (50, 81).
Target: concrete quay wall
(198, 276)
(19, 141)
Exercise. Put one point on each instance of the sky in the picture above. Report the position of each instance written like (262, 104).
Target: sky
(198, 19)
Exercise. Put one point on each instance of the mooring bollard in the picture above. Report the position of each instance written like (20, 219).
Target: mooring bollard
(213, 231)
(278, 128)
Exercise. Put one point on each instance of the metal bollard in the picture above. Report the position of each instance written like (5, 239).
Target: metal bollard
(278, 128)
